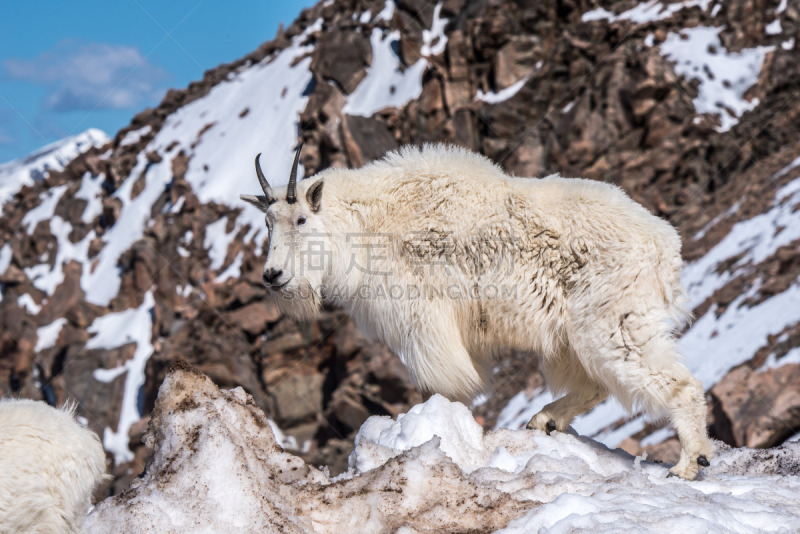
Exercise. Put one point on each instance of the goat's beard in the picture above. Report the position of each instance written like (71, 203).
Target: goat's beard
(299, 300)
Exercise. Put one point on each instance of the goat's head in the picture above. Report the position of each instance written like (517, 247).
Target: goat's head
(297, 240)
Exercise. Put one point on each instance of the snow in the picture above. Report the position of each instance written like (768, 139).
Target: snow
(5, 257)
(751, 241)
(217, 241)
(644, 11)
(596, 423)
(713, 345)
(215, 466)
(53, 157)
(381, 438)
(386, 84)
(774, 27)
(114, 330)
(659, 436)
(387, 12)
(286, 442)
(504, 94)
(46, 278)
(26, 302)
(793, 357)
(91, 191)
(48, 335)
(133, 136)
(434, 41)
(724, 76)
(713, 222)
(46, 208)
(234, 270)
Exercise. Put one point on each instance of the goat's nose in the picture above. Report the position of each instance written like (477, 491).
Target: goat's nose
(270, 275)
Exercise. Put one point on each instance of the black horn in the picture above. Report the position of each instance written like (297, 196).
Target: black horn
(262, 180)
(291, 189)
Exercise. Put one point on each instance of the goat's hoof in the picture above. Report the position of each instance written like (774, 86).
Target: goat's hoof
(550, 426)
(702, 460)
(670, 474)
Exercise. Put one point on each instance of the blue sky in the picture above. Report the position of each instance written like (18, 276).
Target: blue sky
(69, 66)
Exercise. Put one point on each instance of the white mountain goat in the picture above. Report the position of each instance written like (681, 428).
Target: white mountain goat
(49, 465)
(447, 259)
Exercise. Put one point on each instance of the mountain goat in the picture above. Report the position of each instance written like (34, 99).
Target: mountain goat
(447, 259)
(49, 466)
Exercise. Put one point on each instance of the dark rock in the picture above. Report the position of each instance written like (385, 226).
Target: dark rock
(762, 407)
(342, 57)
(254, 318)
(297, 398)
(365, 139)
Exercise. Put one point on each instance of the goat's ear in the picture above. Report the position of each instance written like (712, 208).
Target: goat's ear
(259, 201)
(314, 196)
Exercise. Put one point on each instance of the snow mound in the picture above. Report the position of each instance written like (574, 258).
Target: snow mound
(215, 464)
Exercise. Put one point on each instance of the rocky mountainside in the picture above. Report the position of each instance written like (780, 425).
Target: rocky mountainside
(140, 253)
(51, 158)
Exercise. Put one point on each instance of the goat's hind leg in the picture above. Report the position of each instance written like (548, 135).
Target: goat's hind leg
(559, 414)
(583, 394)
(645, 368)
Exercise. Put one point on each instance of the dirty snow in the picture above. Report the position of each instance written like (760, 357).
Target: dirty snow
(433, 469)
(113, 330)
(724, 76)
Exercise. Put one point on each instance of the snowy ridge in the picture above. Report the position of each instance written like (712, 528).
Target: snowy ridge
(220, 167)
(53, 157)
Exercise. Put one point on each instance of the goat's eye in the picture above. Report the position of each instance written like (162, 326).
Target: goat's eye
(301, 220)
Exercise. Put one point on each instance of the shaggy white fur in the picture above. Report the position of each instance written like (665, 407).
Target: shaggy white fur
(447, 259)
(49, 465)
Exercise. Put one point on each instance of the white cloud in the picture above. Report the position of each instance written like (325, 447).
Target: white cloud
(85, 76)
